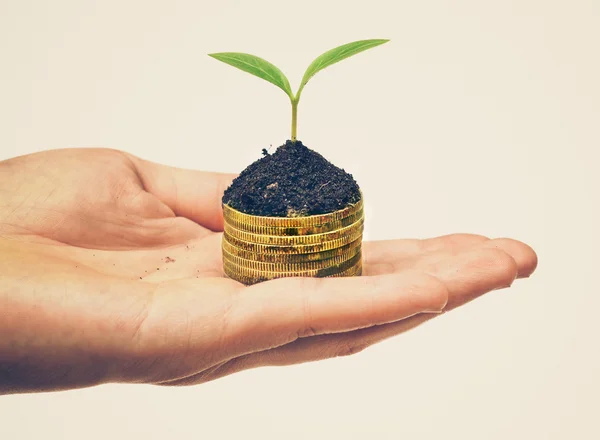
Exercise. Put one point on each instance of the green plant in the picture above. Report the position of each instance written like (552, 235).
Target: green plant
(267, 71)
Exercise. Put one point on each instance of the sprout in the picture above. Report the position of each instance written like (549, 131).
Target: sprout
(267, 71)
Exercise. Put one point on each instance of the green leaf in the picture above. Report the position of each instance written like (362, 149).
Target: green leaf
(257, 67)
(335, 56)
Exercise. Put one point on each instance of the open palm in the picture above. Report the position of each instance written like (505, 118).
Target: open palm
(111, 272)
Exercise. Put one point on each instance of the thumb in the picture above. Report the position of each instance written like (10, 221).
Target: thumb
(195, 195)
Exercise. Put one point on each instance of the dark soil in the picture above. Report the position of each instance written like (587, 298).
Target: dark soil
(293, 181)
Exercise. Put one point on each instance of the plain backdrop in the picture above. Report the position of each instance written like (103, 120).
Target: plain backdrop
(479, 116)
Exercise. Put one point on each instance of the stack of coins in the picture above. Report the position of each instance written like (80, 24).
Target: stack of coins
(257, 248)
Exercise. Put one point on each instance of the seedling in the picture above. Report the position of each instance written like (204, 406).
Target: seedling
(267, 71)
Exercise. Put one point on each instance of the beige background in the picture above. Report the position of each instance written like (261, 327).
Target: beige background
(480, 116)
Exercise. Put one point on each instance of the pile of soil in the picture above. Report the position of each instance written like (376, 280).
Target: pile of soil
(293, 181)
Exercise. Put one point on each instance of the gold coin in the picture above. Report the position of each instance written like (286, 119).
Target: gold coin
(351, 272)
(288, 257)
(277, 240)
(293, 249)
(248, 281)
(234, 215)
(238, 272)
(286, 266)
(294, 231)
(355, 270)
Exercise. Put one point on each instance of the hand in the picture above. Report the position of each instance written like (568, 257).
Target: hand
(110, 271)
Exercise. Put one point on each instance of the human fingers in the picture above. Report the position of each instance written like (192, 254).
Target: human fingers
(390, 262)
(384, 251)
(467, 276)
(192, 194)
(203, 324)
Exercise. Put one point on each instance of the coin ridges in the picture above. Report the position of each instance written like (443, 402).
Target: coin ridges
(235, 271)
(295, 231)
(230, 213)
(289, 267)
(256, 248)
(288, 257)
(353, 271)
(295, 249)
(298, 240)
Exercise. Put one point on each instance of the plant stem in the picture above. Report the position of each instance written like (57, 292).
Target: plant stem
(294, 118)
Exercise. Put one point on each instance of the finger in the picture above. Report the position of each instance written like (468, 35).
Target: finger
(524, 256)
(303, 350)
(389, 256)
(466, 277)
(274, 313)
(192, 194)
(386, 250)
(280, 311)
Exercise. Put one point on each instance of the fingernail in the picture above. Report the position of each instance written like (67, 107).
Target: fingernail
(435, 311)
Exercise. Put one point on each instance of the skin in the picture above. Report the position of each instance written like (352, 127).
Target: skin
(110, 271)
